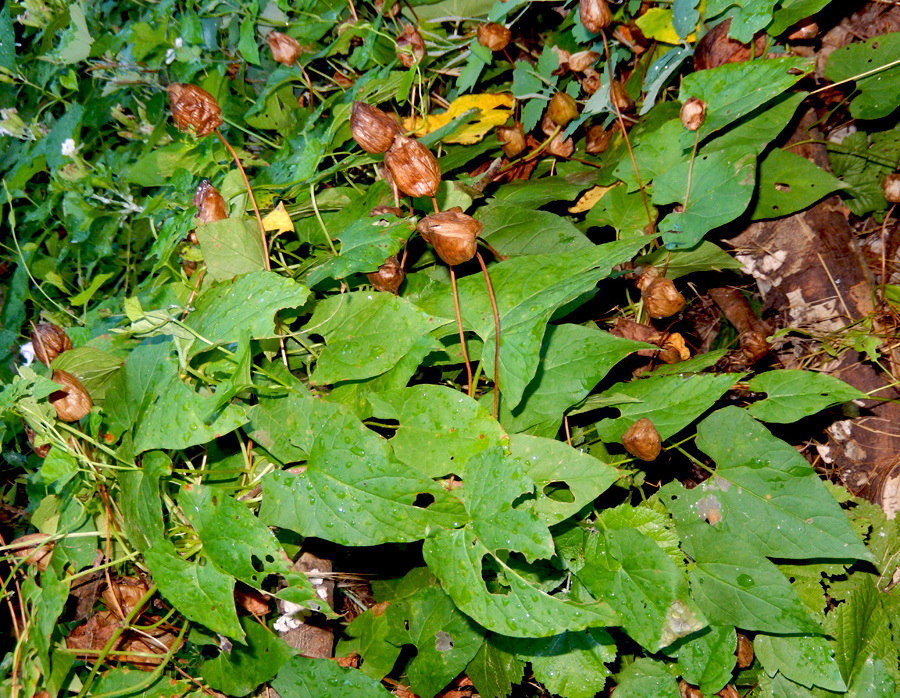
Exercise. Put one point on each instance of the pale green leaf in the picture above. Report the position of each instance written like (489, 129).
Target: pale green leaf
(93, 367)
(794, 394)
(231, 247)
(804, 659)
(303, 677)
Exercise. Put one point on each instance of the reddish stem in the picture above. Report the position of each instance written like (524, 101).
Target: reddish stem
(462, 335)
(490, 290)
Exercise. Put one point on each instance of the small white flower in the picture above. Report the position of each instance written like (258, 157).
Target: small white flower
(69, 148)
(27, 352)
(179, 42)
(170, 55)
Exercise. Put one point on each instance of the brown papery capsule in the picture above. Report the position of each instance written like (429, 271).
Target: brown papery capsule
(562, 109)
(693, 113)
(413, 167)
(49, 341)
(389, 276)
(890, 185)
(729, 692)
(372, 128)
(194, 108)
(493, 36)
(410, 46)
(661, 298)
(35, 548)
(619, 97)
(39, 451)
(581, 61)
(744, 651)
(452, 233)
(72, 402)
(595, 15)
(512, 140)
(597, 139)
(285, 49)
(125, 596)
(687, 691)
(642, 440)
(210, 204)
(561, 147)
(590, 81)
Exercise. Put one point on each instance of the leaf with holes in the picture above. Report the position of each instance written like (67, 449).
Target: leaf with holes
(793, 394)
(879, 60)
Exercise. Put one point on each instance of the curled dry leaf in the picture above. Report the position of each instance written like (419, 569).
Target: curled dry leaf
(562, 108)
(890, 185)
(49, 341)
(693, 113)
(285, 49)
(744, 651)
(595, 15)
(124, 595)
(40, 451)
(597, 139)
(389, 276)
(642, 440)
(804, 30)
(72, 402)
(582, 60)
(372, 128)
(209, 203)
(619, 97)
(512, 140)
(493, 36)
(194, 108)
(413, 167)
(452, 233)
(590, 81)
(35, 551)
(671, 345)
(410, 46)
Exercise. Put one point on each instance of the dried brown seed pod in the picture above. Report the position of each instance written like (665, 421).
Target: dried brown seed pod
(582, 60)
(388, 277)
(744, 651)
(688, 691)
(804, 30)
(693, 113)
(597, 139)
(890, 185)
(548, 128)
(493, 36)
(372, 128)
(729, 692)
(661, 298)
(285, 49)
(413, 167)
(562, 109)
(125, 596)
(619, 97)
(194, 108)
(595, 15)
(72, 402)
(36, 549)
(512, 140)
(561, 147)
(452, 233)
(754, 345)
(642, 440)
(590, 81)
(209, 203)
(410, 46)
(39, 451)
(49, 341)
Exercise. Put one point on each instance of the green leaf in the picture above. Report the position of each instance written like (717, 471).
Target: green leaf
(231, 247)
(757, 129)
(156, 167)
(706, 659)
(440, 429)
(352, 491)
(76, 42)
(878, 95)
(646, 677)
(807, 660)
(722, 183)
(557, 468)
(862, 162)
(655, 153)
(240, 544)
(201, 593)
(622, 209)
(736, 89)
(794, 394)
(243, 668)
(670, 402)
(636, 577)
(303, 677)
(789, 183)
(653, 523)
(528, 290)
(93, 367)
(571, 664)
(792, 11)
(247, 42)
(533, 193)
(367, 333)
(7, 41)
(141, 502)
(514, 230)
(276, 424)
(370, 635)
(705, 256)
(493, 670)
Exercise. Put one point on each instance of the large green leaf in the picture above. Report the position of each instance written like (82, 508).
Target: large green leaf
(622, 209)
(367, 333)
(805, 659)
(231, 247)
(514, 230)
(706, 659)
(440, 428)
(571, 664)
(792, 394)
(93, 367)
(303, 677)
(352, 490)
(789, 183)
(646, 677)
(878, 95)
(494, 670)
(528, 289)
(370, 635)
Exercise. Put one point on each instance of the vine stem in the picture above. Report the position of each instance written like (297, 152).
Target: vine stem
(262, 228)
(462, 334)
(490, 290)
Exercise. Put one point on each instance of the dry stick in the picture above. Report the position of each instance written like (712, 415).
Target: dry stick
(490, 289)
(262, 228)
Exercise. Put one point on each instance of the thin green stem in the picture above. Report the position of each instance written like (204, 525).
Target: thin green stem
(312, 198)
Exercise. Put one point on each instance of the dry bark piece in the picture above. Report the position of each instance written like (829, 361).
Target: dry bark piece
(49, 341)
(285, 49)
(72, 402)
(413, 167)
(595, 15)
(372, 128)
(693, 113)
(410, 46)
(494, 36)
(717, 48)
(194, 108)
(890, 185)
(744, 651)
(642, 440)
(452, 233)
(597, 139)
(389, 276)
(38, 549)
(661, 298)
(512, 140)
(40, 451)
(562, 108)
(209, 203)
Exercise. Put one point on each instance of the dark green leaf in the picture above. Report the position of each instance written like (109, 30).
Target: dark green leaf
(646, 677)
(571, 664)
(706, 659)
(493, 670)
(807, 660)
(365, 244)
(878, 94)
(793, 394)
(514, 230)
(789, 183)
(303, 677)
(243, 668)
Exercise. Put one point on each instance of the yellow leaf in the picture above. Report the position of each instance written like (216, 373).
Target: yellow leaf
(588, 199)
(278, 220)
(656, 24)
(494, 111)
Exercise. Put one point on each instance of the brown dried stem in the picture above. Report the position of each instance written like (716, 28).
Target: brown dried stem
(490, 290)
